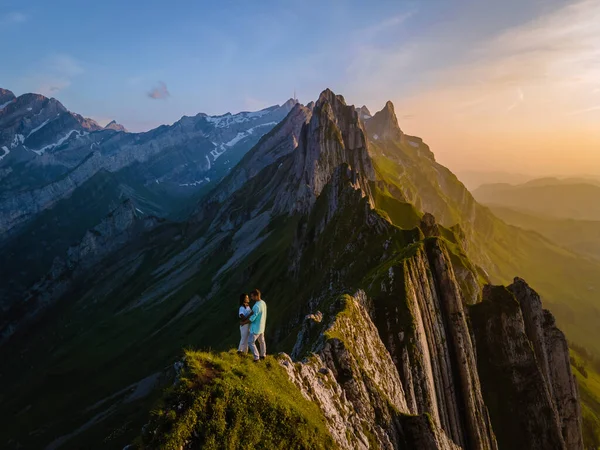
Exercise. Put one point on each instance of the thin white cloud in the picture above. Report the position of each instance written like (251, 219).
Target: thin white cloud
(518, 101)
(387, 24)
(584, 110)
(56, 73)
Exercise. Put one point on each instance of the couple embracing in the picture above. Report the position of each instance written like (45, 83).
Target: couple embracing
(252, 325)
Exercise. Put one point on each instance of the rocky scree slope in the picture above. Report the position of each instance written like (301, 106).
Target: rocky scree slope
(310, 225)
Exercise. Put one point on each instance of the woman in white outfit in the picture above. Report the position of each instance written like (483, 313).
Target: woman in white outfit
(244, 313)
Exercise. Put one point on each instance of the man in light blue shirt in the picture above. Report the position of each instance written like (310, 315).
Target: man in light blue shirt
(258, 319)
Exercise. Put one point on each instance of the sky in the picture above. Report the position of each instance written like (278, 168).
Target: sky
(511, 86)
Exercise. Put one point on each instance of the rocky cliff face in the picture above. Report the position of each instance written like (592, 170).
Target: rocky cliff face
(526, 375)
(402, 369)
(353, 379)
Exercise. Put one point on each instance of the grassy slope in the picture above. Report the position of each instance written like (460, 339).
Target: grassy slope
(588, 380)
(581, 236)
(225, 401)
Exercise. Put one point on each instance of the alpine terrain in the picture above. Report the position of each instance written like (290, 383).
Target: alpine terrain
(402, 313)
(61, 174)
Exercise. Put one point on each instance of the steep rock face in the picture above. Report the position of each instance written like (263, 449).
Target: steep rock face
(552, 354)
(384, 124)
(334, 136)
(6, 97)
(281, 141)
(513, 339)
(420, 316)
(363, 112)
(353, 380)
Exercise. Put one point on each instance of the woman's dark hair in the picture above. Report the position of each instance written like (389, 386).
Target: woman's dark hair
(242, 298)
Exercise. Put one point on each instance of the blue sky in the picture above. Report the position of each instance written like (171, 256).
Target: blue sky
(102, 59)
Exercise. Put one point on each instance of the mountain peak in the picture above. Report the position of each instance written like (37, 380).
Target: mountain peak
(384, 124)
(329, 96)
(6, 96)
(363, 112)
(113, 125)
(290, 103)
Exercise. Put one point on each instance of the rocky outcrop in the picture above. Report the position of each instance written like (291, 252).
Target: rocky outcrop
(384, 124)
(526, 377)
(6, 97)
(552, 353)
(429, 226)
(279, 142)
(420, 316)
(352, 378)
(113, 125)
(333, 136)
(363, 112)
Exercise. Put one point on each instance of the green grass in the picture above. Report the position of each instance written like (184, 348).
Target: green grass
(588, 381)
(225, 401)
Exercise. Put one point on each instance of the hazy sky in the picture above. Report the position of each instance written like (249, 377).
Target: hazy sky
(511, 85)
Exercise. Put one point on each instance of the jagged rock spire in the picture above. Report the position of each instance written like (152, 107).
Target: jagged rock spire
(333, 137)
(384, 124)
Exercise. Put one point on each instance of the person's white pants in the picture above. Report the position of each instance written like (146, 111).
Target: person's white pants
(245, 332)
(260, 338)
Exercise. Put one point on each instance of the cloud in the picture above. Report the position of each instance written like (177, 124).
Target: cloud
(520, 98)
(13, 17)
(56, 72)
(387, 24)
(584, 110)
(159, 92)
(64, 65)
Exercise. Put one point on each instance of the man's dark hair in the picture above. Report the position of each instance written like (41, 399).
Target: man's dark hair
(255, 292)
(242, 298)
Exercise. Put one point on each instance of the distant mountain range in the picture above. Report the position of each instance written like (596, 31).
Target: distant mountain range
(580, 236)
(571, 198)
(61, 174)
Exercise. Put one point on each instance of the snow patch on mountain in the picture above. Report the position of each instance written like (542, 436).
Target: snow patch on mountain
(36, 129)
(226, 120)
(60, 141)
(18, 139)
(4, 105)
(6, 152)
(197, 182)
